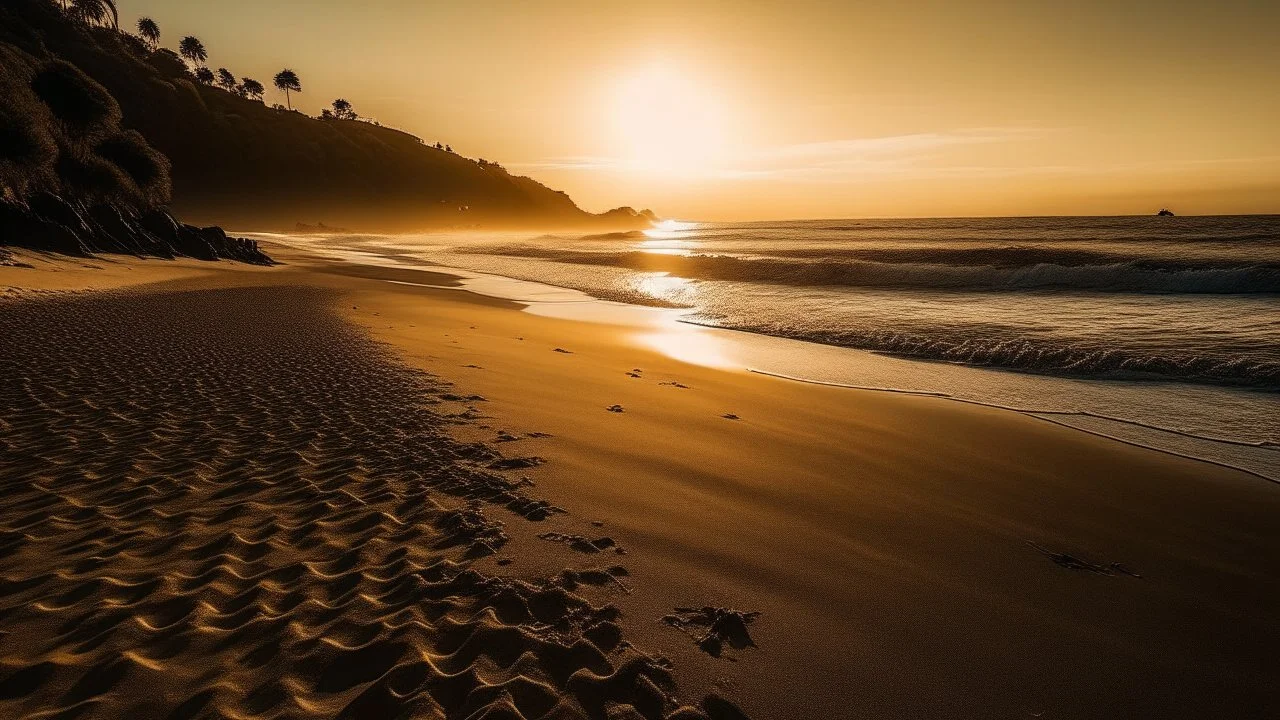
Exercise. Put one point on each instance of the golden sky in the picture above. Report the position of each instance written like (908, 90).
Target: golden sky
(754, 110)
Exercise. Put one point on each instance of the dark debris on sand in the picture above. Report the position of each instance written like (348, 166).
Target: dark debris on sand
(1071, 562)
(712, 628)
(229, 503)
(583, 544)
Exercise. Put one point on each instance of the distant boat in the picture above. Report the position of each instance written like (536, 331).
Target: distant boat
(1165, 212)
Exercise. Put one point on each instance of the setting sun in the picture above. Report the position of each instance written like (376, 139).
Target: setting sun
(668, 123)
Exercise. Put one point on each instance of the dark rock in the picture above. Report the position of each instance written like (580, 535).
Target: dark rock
(19, 227)
(52, 208)
(50, 223)
(162, 225)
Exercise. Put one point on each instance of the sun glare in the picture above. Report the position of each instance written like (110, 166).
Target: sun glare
(668, 123)
(669, 230)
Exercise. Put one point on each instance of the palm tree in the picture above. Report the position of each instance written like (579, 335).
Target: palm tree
(251, 88)
(149, 31)
(193, 50)
(204, 75)
(226, 80)
(95, 11)
(287, 80)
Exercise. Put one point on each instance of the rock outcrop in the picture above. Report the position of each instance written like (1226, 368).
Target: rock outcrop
(49, 223)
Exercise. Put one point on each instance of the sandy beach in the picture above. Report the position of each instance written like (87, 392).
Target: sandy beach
(336, 490)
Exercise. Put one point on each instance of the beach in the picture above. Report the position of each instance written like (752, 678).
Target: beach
(337, 489)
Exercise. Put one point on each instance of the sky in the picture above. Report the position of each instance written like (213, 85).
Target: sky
(750, 110)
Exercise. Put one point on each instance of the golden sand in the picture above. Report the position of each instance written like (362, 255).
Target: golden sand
(236, 492)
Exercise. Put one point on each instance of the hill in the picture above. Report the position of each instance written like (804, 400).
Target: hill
(74, 180)
(236, 161)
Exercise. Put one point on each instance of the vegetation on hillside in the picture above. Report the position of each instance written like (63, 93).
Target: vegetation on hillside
(60, 133)
(235, 160)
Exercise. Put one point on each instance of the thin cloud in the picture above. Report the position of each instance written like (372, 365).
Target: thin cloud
(575, 162)
(839, 159)
(894, 145)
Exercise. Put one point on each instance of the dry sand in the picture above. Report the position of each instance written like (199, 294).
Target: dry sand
(220, 499)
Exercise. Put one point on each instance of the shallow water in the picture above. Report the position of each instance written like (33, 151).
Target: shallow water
(1159, 331)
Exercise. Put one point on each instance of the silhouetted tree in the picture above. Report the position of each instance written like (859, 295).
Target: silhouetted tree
(448, 148)
(287, 80)
(342, 110)
(192, 49)
(226, 80)
(204, 75)
(149, 31)
(439, 146)
(251, 88)
(94, 11)
(326, 114)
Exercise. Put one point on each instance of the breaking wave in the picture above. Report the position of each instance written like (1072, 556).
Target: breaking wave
(979, 269)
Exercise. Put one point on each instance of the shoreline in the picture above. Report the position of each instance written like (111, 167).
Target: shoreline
(1091, 404)
(882, 537)
(1039, 414)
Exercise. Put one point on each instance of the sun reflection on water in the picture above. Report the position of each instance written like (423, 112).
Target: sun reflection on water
(665, 287)
(689, 343)
(670, 229)
(669, 237)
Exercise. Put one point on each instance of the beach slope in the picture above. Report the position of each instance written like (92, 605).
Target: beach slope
(239, 489)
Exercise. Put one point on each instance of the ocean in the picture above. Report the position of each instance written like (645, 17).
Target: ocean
(1162, 331)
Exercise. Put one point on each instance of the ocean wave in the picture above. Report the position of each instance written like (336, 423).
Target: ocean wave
(1033, 356)
(1071, 271)
(619, 235)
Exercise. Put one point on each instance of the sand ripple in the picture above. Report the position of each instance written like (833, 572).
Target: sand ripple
(228, 503)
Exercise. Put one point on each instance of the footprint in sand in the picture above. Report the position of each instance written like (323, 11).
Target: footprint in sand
(614, 408)
(730, 416)
(516, 463)
(723, 627)
(582, 544)
(562, 350)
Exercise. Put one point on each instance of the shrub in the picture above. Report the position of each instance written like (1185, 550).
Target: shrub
(92, 178)
(79, 103)
(145, 167)
(27, 147)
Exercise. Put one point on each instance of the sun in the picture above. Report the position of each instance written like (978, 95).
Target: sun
(668, 123)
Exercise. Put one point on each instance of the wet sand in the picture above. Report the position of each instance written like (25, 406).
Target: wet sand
(237, 490)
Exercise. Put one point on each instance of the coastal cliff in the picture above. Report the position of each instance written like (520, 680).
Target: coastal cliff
(235, 161)
(74, 181)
